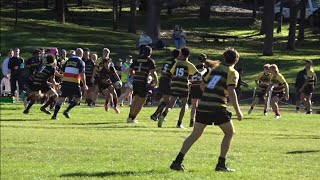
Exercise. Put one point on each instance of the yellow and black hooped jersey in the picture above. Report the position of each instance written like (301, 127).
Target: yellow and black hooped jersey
(310, 76)
(263, 81)
(181, 71)
(197, 78)
(142, 68)
(215, 93)
(278, 82)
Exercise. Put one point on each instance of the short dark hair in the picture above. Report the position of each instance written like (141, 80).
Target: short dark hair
(185, 52)
(176, 53)
(50, 58)
(37, 51)
(308, 61)
(47, 51)
(86, 49)
(231, 55)
(147, 50)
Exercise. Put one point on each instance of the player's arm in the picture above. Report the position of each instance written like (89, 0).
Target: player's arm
(116, 74)
(234, 101)
(154, 77)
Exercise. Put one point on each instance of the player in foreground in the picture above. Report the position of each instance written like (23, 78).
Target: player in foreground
(217, 85)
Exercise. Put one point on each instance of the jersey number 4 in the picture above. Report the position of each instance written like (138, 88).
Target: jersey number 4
(213, 82)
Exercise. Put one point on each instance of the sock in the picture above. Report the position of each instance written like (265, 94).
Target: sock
(50, 101)
(264, 111)
(71, 105)
(297, 108)
(164, 114)
(221, 161)
(179, 123)
(179, 158)
(132, 116)
(115, 102)
(56, 109)
(30, 104)
(107, 101)
(251, 107)
(160, 108)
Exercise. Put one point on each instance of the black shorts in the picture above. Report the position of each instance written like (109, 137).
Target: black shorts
(71, 91)
(308, 90)
(280, 95)
(259, 94)
(103, 86)
(88, 82)
(42, 88)
(195, 92)
(181, 94)
(164, 86)
(217, 117)
(140, 89)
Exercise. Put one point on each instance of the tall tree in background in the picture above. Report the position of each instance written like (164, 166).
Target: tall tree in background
(46, 4)
(254, 9)
(205, 10)
(293, 22)
(170, 7)
(61, 10)
(269, 25)
(263, 22)
(302, 23)
(120, 9)
(153, 19)
(279, 18)
(133, 16)
(79, 3)
(115, 15)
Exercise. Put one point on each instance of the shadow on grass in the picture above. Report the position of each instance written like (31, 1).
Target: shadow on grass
(108, 173)
(16, 120)
(303, 152)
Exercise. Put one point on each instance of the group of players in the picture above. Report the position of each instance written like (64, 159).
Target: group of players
(212, 84)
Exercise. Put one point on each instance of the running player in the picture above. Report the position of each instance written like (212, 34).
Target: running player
(106, 86)
(74, 72)
(90, 64)
(217, 86)
(140, 70)
(279, 87)
(180, 71)
(308, 87)
(43, 81)
(262, 83)
(165, 83)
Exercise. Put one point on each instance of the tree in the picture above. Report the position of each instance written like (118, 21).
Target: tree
(170, 7)
(205, 10)
(280, 19)
(269, 25)
(263, 22)
(61, 10)
(302, 23)
(254, 9)
(292, 28)
(46, 4)
(115, 15)
(153, 19)
(80, 3)
(133, 16)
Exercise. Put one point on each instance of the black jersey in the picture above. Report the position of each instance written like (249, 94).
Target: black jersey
(142, 68)
(167, 67)
(105, 74)
(33, 64)
(89, 64)
(42, 75)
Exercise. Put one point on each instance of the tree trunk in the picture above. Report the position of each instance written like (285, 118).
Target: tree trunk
(133, 17)
(120, 9)
(263, 23)
(254, 9)
(170, 7)
(280, 18)
(80, 3)
(293, 23)
(153, 19)
(115, 15)
(60, 11)
(46, 4)
(143, 5)
(205, 10)
(302, 23)
(269, 24)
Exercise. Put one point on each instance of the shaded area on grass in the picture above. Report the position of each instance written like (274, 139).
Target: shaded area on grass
(108, 173)
(303, 152)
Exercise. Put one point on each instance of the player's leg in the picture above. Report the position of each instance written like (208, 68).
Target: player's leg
(53, 95)
(254, 103)
(113, 92)
(57, 108)
(274, 105)
(172, 102)
(308, 103)
(184, 101)
(194, 105)
(187, 144)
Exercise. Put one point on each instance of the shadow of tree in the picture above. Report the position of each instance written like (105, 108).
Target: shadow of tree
(303, 152)
(108, 173)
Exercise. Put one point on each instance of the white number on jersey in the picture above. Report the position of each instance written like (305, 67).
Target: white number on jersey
(213, 82)
(42, 68)
(165, 68)
(196, 77)
(180, 72)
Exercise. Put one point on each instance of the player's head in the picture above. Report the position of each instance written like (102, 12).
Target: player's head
(274, 69)
(176, 53)
(266, 68)
(94, 57)
(10, 53)
(185, 53)
(63, 53)
(147, 51)
(79, 52)
(50, 58)
(16, 52)
(105, 53)
(231, 56)
(212, 63)
(308, 63)
(202, 57)
(86, 53)
(36, 53)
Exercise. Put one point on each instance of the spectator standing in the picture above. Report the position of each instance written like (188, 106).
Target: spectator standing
(144, 40)
(16, 63)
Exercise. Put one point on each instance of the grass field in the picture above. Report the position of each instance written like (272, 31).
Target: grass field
(96, 144)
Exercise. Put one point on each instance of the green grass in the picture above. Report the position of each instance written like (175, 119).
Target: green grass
(96, 144)
(92, 27)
